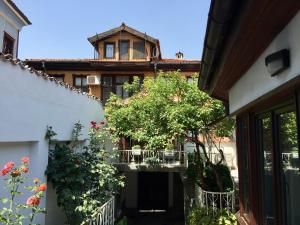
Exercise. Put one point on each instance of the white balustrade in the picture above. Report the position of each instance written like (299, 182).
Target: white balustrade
(144, 157)
(220, 200)
(105, 214)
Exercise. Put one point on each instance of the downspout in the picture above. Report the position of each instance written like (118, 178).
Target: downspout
(17, 50)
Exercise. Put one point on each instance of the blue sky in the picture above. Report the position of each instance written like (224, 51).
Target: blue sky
(60, 27)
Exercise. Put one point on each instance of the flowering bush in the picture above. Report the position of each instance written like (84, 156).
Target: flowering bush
(15, 178)
(83, 180)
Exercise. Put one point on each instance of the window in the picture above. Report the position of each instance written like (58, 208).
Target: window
(79, 81)
(114, 84)
(243, 150)
(278, 149)
(124, 49)
(59, 77)
(138, 49)
(109, 48)
(8, 44)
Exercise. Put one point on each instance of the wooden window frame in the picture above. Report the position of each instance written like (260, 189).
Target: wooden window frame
(128, 41)
(7, 36)
(109, 43)
(80, 76)
(133, 56)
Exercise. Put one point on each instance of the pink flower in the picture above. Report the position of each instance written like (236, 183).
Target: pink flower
(41, 187)
(33, 200)
(4, 171)
(25, 159)
(25, 169)
(102, 122)
(9, 165)
(93, 123)
(97, 127)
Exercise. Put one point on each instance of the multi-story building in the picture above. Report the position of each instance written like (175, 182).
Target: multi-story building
(120, 54)
(11, 22)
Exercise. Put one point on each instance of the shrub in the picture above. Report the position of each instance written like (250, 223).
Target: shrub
(208, 216)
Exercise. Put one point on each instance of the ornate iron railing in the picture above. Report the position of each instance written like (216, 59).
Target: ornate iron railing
(106, 214)
(144, 157)
(220, 200)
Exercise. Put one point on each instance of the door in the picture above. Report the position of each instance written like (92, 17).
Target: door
(153, 191)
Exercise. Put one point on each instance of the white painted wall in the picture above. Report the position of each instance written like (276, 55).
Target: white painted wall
(28, 104)
(257, 82)
(10, 23)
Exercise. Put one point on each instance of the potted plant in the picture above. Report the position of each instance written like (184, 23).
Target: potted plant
(136, 150)
(169, 150)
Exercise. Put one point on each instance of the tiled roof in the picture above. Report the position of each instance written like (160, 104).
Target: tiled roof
(176, 60)
(22, 64)
(123, 27)
(21, 14)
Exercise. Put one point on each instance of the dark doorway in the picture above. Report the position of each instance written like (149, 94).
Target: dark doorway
(153, 191)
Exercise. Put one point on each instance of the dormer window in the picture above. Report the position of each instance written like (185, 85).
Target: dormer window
(124, 49)
(109, 48)
(8, 44)
(139, 50)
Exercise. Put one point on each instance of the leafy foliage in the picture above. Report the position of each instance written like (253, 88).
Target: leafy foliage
(163, 114)
(83, 180)
(205, 216)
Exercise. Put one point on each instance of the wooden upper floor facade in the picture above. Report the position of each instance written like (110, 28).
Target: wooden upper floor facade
(120, 54)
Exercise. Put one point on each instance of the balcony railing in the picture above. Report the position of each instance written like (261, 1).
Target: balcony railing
(220, 200)
(105, 214)
(152, 157)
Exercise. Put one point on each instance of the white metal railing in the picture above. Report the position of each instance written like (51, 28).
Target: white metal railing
(217, 200)
(105, 214)
(144, 157)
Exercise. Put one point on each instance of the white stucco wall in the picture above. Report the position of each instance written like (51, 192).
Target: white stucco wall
(10, 23)
(28, 103)
(257, 82)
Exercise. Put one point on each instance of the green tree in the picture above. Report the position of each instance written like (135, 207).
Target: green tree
(164, 111)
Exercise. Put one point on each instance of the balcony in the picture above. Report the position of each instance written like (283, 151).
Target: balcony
(151, 160)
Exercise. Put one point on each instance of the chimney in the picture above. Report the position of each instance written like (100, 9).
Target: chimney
(179, 55)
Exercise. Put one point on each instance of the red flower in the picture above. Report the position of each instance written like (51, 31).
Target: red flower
(33, 200)
(93, 123)
(4, 171)
(24, 169)
(36, 180)
(41, 187)
(102, 122)
(25, 159)
(9, 165)
(96, 127)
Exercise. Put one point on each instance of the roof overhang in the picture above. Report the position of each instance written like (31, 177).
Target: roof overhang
(17, 12)
(97, 65)
(237, 33)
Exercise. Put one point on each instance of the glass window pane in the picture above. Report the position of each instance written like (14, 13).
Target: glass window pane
(107, 81)
(83, 81)
(266, 145)
(288, 143)
(119, 90)
(124, 50)
(109, 50)
(138, 49)
(122, 79)
(78, 81)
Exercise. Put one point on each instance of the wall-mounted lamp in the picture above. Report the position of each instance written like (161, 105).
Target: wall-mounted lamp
(278, 61)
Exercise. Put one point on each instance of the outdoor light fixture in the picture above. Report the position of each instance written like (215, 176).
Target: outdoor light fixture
(278, 61)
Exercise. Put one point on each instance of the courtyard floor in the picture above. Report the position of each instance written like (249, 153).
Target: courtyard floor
(154, 219)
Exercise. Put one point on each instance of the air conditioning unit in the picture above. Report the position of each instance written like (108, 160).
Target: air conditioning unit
(93, 80)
